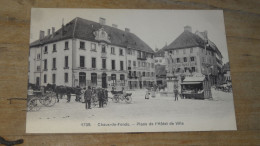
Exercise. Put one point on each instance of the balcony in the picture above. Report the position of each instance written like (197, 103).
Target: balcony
(141, 58)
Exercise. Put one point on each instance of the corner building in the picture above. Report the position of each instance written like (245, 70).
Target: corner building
(192, 54)
(86, 53)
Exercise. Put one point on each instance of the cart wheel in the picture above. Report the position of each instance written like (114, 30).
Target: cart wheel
(49, 101)
(128, 99)
(33, 105)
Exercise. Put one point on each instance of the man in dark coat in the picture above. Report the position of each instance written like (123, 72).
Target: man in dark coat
(68, 92)
(101, 97)
(176, 93)
(88, 96)
(78, 91)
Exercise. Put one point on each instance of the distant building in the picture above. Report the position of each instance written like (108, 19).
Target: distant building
(226, 72)
(86, 53)
(160, 66)
(193, 54)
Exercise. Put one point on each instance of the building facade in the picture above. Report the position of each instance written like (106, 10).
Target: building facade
(160, 66)
(86, 53)
(193, 54)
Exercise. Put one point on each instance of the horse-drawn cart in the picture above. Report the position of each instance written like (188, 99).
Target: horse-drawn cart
(120, 95)
(38, 98)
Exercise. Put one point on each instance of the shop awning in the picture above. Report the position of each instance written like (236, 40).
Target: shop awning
(188, 83)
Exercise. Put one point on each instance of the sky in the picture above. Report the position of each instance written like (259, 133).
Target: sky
(155, 27)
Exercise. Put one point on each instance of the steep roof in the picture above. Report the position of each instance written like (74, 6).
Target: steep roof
(84, 29)
(186, 40)
(160, 53)
(226, 67)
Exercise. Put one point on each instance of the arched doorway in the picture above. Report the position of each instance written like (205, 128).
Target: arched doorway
(82, 79)
(104, 80)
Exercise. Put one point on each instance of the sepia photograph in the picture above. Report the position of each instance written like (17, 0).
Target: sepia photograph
(128, 70)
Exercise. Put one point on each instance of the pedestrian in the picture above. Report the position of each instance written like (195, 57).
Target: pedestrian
(82, 94)
(101, 97)
(68, 94)
(78, 91)
(176, 94)
(88, 96)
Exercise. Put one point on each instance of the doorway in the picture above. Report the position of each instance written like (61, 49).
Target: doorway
(104, 80)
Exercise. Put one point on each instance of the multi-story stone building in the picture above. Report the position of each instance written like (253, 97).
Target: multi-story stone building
(193, 53)
(86, 53)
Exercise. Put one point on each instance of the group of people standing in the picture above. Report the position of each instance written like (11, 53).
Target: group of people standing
(92, 95)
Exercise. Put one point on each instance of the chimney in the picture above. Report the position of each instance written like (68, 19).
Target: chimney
(127, 30)
(102, 21)
(187, 28)
(41, 35)
(49, 32)
(114, 25)
(53, 30)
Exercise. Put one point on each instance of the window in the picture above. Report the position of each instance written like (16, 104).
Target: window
(148, 74)
(191, 50)
(94, 78)
(82, 61)
(66, 77)
(143, 64)
(193, 69)
(38, 56)
(113, 64)
(134, 63)
(82, 45)
(54, 48)
(129, 63)
(104, 66)
(178, 60)
(122, 79)
(133, 52)
(152, 74)
(178, 69)
(45, 49)
(93, 62)
(38, 68)
(143, 74)
(53, 78)
(113, 78)
(170, 52)
(66, 45)
(121, 52)
(112, 50)
(103, 49)
(45, 64)
(185, 69)
(93, 47)
(53, 63)
(192, 59)
(121, 65)
(185, 59)
(45, 78)
(139, 63)
(129, 52)
(66, 62)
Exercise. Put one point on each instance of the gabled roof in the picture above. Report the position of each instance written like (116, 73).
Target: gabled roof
(186, 40)
(84, 29)
(160, 53)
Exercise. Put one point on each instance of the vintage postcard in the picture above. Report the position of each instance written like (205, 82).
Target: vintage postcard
(122, 70)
